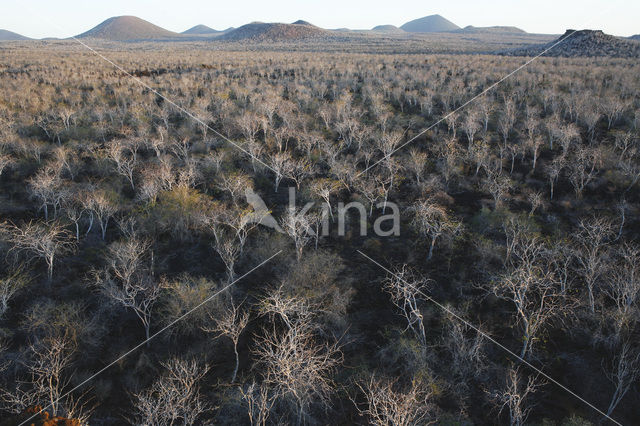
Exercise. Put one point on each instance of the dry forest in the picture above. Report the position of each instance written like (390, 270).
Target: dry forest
(128, 234)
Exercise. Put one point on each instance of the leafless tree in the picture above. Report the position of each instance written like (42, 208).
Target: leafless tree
(175, 398)
(230, 228)
(297, 225)
(128, 281)
(387, 179)
(631, 171)
(297, 366)
(48, 383)
(553, 170)
(369, 189)
(189, 175)
(66, 158)
(480, 154)
(349, 129)
(417, 163)
(592, 256)
(623, 286)
(235, 184)
(33, 149)
(259, 403)
(485, 106)
(498, 186)
(282, 165)
(299, 170)
(204, 118)
(101, 206)
(157, 143)
(534, 145)
(324, 188)
(515, 149)
(534, 300)
(45, 186)
(433, 221)
(628, 144)
(507, 120)
(50, 125)
(451, 118)
(181, 148)
(249, 125)
(591, 117)
(74, 211)
(531, 287)
(50, 360)
(331, 150)
(567, 135)
(518, 233)
(150, 184)
(622, 207)
(9, 286)
(125, 158)
(623, 373)
(515, 396)
(449, 160)
(229, 249)
(290, 310)
(471, 125)
(39, 240)
(231, 323)
(535, 199)
(612, 108)
(387, 145)
(407, 293)
(561, 259)
(466, 351)
(582, 168)
(532, 123)
(386, 404)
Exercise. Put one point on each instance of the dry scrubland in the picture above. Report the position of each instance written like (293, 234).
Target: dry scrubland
(273, 37)
(119, 214)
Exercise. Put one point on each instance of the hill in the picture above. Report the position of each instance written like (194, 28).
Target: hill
(260, 31)
(301, 22)
(589, 43)
(127, 28)
(200, 29)
(11, 36)
(490, 30)
(429, 24)
(387, 29)
(635, 37)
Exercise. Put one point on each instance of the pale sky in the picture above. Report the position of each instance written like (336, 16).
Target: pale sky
(64, 18)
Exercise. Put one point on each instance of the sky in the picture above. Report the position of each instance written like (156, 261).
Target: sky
(64, 18)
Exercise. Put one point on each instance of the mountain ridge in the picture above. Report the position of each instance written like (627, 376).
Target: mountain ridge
(470, 29)
(6, 35)
(387, 29)
(303, 22)
(261, 31)
(586, 43)
(429, 24)
(200, 29)
(123, 28)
